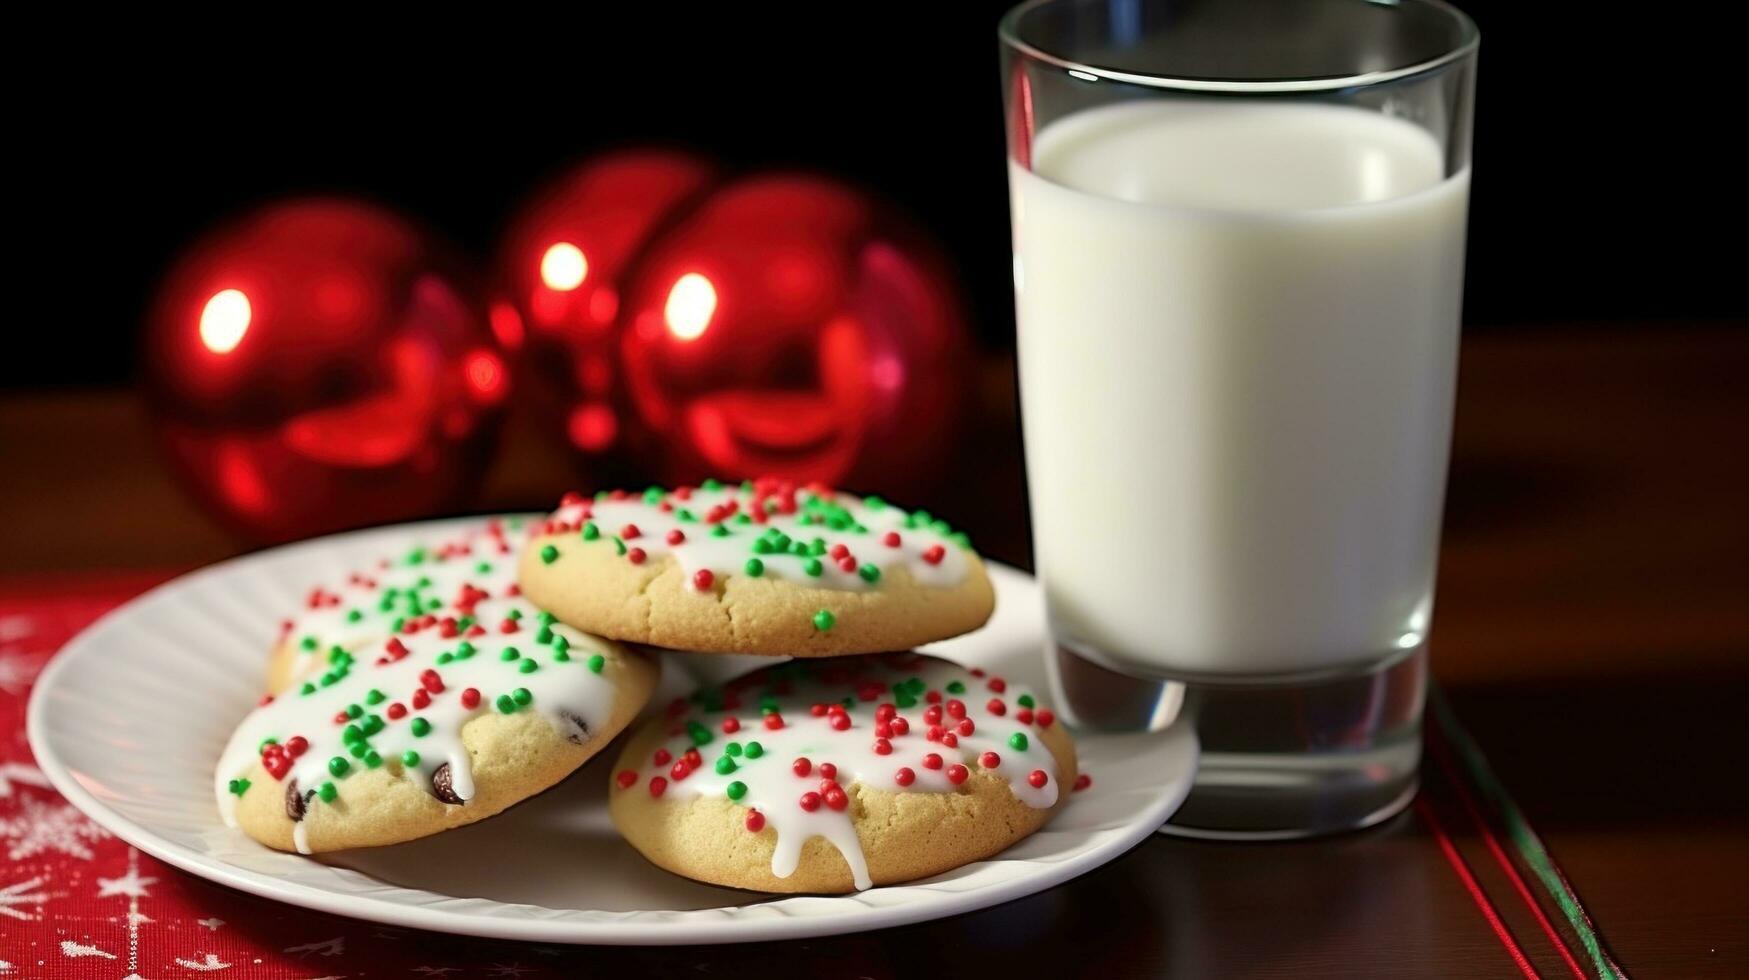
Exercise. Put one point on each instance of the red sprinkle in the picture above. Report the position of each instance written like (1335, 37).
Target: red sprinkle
(956, 708)
(626, 779)
(839, 550)
(1082, 782)
(901, 727)
(883, 747)
(676, 536)
(508, 626)
(950, 740)
(883, 729)
(680, 770)
(828, 770)
(810, 801)
(904, 777)
(296, 745)
(470, 698)
(731, 726)
(658, 785)
(755, 821)
(934, 554)
(998, 685)
(933, 697)
(989, 760)
(1037, 778)
(840, 722)
(397, 710)
(635, 556)
(836, 798)
(932, 761)
(1023, 715)
(629, 532)
(818, 711)
(276, 765)
(956, 774)
(662, 757)
(421, 699)
(966, 727)
(932, 715)
(266, 699)
(702, 579)
(1045, 717)
(847, 564)
(801, 767)
(774, 721)
(890, 539)
(996, 707)
(431, 681)
(341, 718)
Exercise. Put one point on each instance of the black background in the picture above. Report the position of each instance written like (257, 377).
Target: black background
(1604, 189)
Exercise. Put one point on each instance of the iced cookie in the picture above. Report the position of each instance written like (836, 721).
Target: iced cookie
(412, 587)
(449, 723)
(834, 775)
(765, 567)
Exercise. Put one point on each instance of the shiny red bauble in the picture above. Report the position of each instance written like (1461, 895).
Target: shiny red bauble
(561, 268)
(791, 325)
(320, 364)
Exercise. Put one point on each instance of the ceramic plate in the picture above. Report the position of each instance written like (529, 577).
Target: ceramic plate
(129, 718)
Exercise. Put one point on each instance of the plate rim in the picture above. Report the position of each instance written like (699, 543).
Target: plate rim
(858, 916)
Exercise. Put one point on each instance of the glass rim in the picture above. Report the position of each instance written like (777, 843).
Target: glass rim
(1469, 38)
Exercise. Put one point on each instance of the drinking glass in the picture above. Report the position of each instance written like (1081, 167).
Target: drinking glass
(1238, 272)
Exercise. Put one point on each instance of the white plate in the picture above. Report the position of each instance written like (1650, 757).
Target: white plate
(129, 718)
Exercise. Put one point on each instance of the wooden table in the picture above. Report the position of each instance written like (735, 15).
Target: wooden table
(1592, 635)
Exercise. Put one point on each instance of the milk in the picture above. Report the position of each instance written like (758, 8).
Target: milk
(1238, 327)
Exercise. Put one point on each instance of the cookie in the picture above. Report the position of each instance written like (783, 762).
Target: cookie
(763, 568)
(835, 775)
(442, 726)
(378, 602)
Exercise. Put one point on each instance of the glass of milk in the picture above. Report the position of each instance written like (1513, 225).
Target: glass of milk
(1238, 271)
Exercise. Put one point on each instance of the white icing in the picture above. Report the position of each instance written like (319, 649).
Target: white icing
(775, 790)
(561, 689)
(350, 614)
(701, 550)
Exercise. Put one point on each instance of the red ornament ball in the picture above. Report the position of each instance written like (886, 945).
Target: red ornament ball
(561, 268)
(321, 364)
(790, 325)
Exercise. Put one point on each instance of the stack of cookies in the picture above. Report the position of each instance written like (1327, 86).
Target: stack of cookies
(457, 680)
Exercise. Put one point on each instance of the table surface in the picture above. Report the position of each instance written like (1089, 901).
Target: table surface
(1591, 636)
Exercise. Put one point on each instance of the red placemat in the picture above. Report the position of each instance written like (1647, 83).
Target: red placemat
(78, 902)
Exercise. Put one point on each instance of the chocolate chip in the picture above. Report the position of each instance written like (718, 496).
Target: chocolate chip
(581, 735)
(294, 801)
(441, 786)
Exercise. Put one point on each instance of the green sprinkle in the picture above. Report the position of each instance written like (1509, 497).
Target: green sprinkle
(684, 516)
(813, 567)
(824, 620)
(869, 573)
(763, 546)
(549, 554)
(483, 568)
(545, 635)
(358, 749)
(372, 760)
(619, 546)
(754, 750)
(654, 495)
(726, 765)
(590, 531)
(959, 538)
(338, 765)
(354, 615)
(464, 650)
(238, 786)
(743, 519)
(373, 724)
(560, 644)
(904, 700)
(513, 614)
(754, 567)
(374, 696)
(733, 748)
(736, 790)
(445, 657)
(1025, 701)
(699, 734)
(767, 705)
(416, 556)
(546, 618)
(798, 548)
(817, 546)
(522, 695)
(309, 643)
(262, 747)
(711, 484)
(354, 711)
(509, 654)
(1017, 741)
(560, 656)
(596, 662)
(307, 689)
(420, 727)
(529, 667)
(955, 687)
(720, 531)
(874, 503)
(327, 792)
(505, 704)
(410, 758)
